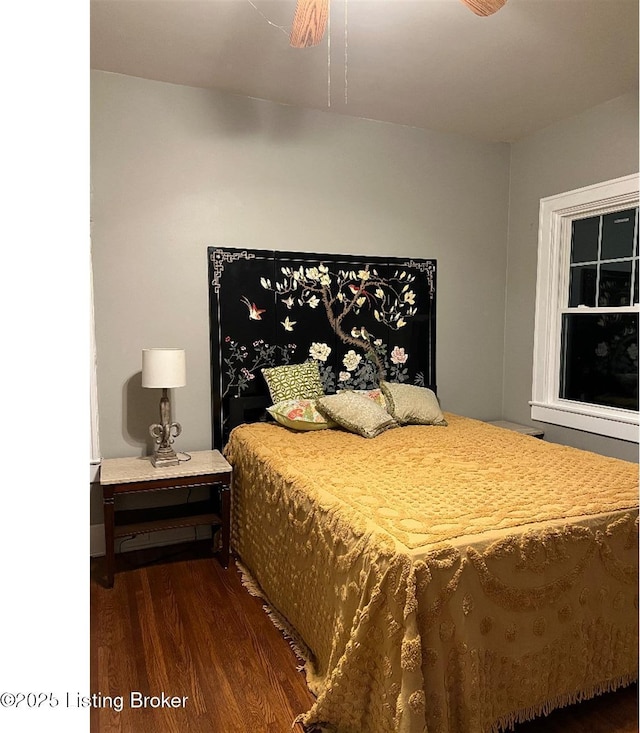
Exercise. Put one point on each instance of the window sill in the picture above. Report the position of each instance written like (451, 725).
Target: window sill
(619, 424)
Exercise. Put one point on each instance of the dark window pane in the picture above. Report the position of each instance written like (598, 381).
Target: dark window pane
(582, 287)
(635, 285)
(615, 284)
(584, 239)
(618, 231)
(600, 359)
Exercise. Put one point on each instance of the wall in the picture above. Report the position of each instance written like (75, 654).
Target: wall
(598, 145)
(175, 169)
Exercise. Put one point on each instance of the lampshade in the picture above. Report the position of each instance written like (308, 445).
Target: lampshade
(163, 368)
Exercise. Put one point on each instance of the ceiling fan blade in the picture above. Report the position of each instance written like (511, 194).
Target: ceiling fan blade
(484, 7)
(309, 23)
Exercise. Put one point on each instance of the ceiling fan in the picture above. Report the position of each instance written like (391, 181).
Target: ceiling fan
(310, 19)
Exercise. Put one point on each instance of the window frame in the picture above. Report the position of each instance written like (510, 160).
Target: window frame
(94, 456)
(554, 249)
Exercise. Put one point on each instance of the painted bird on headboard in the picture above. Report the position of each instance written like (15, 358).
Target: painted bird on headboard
(255, 313)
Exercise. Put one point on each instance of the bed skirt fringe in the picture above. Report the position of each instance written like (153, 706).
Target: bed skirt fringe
(508, 722)
(505, 723)
(253, 587)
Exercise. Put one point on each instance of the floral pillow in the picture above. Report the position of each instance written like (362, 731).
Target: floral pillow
(294, 382)
(411, 405)
(299, 415)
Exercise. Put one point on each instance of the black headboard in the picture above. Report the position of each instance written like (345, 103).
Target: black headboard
(361, 318)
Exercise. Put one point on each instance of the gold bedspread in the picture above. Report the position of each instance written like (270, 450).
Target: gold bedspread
(441, 579)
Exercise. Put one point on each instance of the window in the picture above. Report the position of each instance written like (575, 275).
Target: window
(585, 373)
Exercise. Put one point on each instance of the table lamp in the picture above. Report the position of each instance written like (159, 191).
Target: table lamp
(164, 369)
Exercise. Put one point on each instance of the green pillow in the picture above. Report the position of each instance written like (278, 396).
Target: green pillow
(299, 415)
(411, 405)
(294, 382)
(356, 413)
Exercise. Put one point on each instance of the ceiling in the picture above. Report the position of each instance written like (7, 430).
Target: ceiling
(425, 63)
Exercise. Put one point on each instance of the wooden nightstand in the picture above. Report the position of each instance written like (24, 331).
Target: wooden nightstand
(119, 476)
(524, 429)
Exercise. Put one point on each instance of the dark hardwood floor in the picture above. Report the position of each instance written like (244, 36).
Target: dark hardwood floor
(183, 626)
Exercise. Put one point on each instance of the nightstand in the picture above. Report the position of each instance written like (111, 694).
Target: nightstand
(121, 476)
(524, 429)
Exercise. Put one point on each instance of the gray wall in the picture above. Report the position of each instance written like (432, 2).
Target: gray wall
(175, 169)
(598, 145)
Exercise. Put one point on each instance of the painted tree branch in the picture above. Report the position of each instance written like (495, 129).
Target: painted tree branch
(393, 298)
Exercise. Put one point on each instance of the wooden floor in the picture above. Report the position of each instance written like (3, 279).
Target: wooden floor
(183, 626)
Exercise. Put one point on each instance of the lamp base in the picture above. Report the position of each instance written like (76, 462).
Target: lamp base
(164, 461)
(164, 432)
(164, 456)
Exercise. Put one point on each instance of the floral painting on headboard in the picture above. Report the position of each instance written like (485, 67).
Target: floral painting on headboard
(362, 319)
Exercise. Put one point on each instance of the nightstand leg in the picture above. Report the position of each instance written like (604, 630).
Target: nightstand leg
(108, 504)
(225, 501)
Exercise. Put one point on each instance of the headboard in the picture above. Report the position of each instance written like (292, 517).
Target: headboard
(361, 318)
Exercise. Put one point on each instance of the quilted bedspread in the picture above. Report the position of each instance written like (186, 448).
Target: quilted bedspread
(441, 579)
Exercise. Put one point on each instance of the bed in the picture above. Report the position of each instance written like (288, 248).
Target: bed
(441, 579)
(453, 577)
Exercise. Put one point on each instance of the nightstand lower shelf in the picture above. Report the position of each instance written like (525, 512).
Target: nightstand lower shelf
(128, 522)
